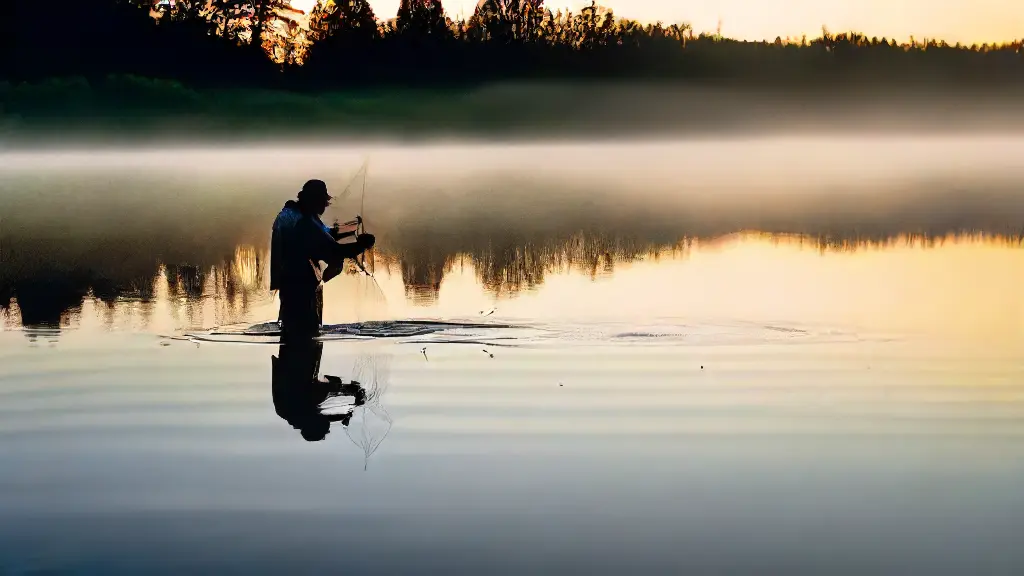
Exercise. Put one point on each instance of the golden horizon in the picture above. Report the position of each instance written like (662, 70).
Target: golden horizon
(965, 21)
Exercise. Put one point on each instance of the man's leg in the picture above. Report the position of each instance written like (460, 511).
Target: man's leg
(300, 315)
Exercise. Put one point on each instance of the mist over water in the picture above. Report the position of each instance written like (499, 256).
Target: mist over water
(114, 216)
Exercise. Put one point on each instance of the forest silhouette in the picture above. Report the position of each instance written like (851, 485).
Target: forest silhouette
(343, 43)
(124, 59)
(235, 69)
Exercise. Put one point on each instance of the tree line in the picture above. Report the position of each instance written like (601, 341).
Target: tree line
(344, 44)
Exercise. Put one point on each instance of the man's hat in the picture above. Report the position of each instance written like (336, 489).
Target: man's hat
(315, 189)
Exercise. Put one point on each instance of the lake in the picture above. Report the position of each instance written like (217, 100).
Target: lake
(706, 356)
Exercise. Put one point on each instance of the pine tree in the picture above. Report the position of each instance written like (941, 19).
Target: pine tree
(422, 18)
(510, 20)
(267, 12)
(352, 19)
(197, 15)
(229, 17)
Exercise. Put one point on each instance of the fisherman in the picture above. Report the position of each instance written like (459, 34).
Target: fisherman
(300, 242)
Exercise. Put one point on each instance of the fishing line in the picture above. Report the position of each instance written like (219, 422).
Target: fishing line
(348, 187)
(362, 199)
(360, 260)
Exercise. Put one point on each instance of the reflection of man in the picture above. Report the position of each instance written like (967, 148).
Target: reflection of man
(298, 391)
(300, 242)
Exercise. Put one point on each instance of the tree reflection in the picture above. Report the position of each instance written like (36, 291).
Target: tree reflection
(504, 266)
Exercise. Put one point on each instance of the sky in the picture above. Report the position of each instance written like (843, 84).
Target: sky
(965, 21)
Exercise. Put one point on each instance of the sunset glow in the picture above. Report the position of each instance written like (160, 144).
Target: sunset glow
(965, 21)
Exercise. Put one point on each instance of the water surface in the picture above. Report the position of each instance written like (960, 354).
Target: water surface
(721, 356)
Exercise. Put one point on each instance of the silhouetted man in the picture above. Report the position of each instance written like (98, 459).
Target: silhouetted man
(300, 242)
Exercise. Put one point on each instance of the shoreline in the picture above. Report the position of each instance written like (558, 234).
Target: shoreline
(92, 141)
(167, 114)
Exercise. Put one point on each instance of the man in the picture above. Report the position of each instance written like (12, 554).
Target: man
(300, 242)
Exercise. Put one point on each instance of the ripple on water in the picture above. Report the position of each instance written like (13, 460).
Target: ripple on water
(535, 334)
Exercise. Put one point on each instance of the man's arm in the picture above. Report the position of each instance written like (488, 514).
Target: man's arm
(321, 246)
(337, 233)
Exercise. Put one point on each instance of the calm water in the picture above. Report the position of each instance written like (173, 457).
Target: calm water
(705, 357)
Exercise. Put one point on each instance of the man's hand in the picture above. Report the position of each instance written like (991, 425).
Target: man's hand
(365, 241)
(336, 265)
(333, 271)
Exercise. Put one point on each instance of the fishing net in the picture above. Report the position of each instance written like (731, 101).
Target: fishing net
(370, 301)
(371, 423)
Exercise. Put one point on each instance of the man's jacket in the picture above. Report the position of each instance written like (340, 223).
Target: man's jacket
(298, 244)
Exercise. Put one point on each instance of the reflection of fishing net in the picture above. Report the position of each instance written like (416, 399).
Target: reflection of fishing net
(373, 371)
(370, 422)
